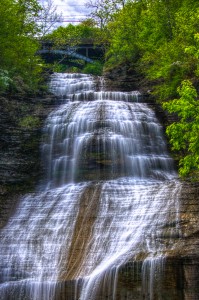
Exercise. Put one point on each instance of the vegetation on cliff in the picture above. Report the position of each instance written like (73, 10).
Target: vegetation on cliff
(184, 133)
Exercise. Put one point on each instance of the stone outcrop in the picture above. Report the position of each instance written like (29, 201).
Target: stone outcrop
(21, 120)
(123, 78)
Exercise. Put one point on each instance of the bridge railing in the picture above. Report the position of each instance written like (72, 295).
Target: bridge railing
(68, 53)
(86, 51)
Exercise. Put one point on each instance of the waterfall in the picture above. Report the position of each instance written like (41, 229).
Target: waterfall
(110, 192)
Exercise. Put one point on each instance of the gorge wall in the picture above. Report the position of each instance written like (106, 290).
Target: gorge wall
(21, 121)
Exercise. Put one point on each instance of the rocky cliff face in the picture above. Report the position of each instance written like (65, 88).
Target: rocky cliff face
(21, 120)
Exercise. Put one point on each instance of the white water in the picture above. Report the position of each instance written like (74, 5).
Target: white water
(109, 193)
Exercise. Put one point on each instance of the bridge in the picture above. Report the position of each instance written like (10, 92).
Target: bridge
(77, 55)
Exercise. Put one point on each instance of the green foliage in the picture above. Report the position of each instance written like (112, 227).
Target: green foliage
(95, 68)
(184, 134)
(123, 36)
(58, 67)
(72, 35)
(161, 37)
(17, 43)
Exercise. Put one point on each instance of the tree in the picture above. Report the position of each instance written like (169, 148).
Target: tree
(26, 12)
(184, 133)
(48, 17)
(72, 35)
(123, 35)
(18, 44)
(165, 60)
(103, 10)
(155, 34)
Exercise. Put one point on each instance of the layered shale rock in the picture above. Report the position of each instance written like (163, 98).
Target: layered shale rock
(21, 120)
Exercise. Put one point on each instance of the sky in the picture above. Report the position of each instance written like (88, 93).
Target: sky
(72, 10)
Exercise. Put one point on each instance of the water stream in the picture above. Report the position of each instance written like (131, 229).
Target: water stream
(109, 193)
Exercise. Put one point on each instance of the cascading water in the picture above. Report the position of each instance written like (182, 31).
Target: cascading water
(110, 192)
